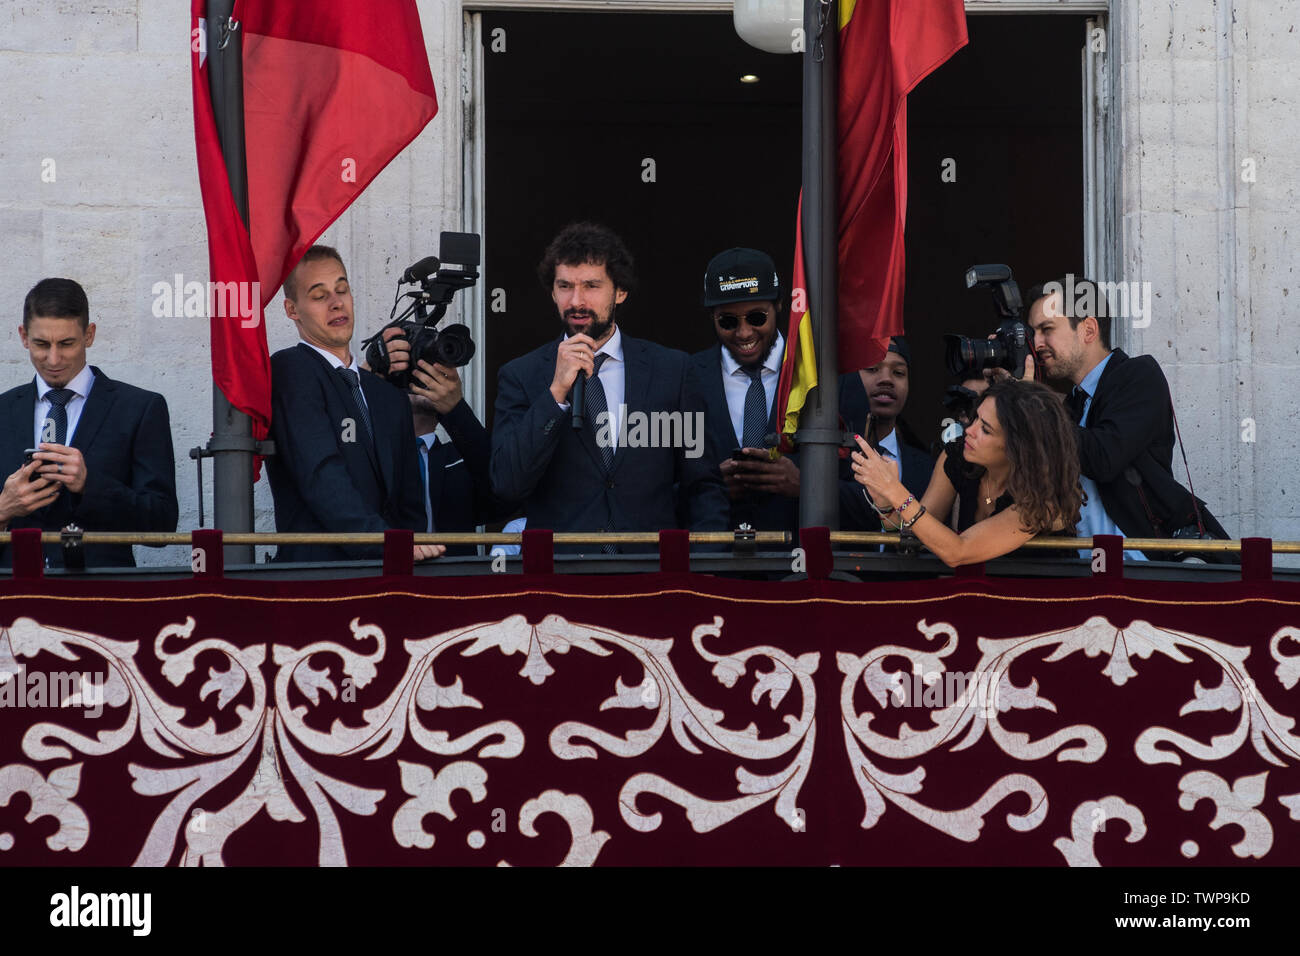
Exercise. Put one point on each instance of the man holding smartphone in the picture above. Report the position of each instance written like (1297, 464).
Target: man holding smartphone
(737, 379)
(88, 450)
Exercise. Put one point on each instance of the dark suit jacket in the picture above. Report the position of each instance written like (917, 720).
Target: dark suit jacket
(322, 482)
(1126, 445)
(460, 480)
(764, 512)
(124, 434)
(917, 465)
(539, 460)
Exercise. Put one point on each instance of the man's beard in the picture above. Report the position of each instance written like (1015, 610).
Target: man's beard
(595, 330)
(1062, 368)
(771, 344)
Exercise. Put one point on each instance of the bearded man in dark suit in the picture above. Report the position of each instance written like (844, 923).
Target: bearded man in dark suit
(1125, 418)
(605, 476)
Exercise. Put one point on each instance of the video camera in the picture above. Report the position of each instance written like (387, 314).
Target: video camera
(452, 346)
(1012, 341)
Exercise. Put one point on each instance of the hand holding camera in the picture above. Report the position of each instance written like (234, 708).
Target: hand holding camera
(440, 384)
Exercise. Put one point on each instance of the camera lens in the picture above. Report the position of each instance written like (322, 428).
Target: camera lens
(453, 346)
(967, 357)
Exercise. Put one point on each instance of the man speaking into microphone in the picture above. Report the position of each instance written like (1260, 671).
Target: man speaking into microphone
(565, 452)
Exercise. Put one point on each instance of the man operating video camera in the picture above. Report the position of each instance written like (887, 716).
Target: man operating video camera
(415, 355)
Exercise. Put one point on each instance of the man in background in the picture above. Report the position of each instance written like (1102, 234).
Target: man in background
(456, 464)
(881, 393)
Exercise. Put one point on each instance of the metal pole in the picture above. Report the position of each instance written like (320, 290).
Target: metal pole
(232, 442)
(819, 435)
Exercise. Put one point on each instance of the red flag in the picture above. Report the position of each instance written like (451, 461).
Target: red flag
(330, 97)
(886, 47)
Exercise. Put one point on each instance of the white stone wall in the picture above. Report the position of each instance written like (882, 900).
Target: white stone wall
(1208, 90)
(103, 90)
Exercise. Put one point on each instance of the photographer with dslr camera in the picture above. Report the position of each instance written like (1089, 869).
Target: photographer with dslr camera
(1124, 421)
(1010, 473)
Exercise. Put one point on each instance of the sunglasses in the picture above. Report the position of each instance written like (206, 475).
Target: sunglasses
(755, 319)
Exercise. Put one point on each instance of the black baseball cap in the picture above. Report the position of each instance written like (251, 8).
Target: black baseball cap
(899, 346)
(741, 275)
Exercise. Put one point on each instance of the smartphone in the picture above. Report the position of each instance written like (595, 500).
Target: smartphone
(29, 455)
(738, 454)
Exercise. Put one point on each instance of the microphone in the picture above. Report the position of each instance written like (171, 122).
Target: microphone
(421, 270)
(580, 402)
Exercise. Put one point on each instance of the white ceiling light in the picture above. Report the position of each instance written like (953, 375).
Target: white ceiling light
(770, 25)
(749, 78)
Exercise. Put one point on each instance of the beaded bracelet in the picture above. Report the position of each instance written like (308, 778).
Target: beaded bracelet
(917, 517)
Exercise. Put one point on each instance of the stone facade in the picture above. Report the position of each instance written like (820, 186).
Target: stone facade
(98, 182)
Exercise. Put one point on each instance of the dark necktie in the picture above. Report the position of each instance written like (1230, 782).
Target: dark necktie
(422, 451)
(755, 421)
(597, 405)
(58, 399)
(354, 380)
(1075, 403)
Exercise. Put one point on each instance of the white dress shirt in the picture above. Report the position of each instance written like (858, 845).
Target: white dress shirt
(735, 384)
(81, 385)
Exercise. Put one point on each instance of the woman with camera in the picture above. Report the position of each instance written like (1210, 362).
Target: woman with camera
(1016, 470)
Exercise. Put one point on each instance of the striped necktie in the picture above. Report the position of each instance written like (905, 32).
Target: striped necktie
(354, 381)
(597, 405)
(58, 399)
(755, 421)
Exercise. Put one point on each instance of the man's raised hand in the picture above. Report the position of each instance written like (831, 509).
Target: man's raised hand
(576, 354)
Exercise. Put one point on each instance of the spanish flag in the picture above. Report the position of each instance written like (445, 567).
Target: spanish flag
(886, 48)
(331, 96)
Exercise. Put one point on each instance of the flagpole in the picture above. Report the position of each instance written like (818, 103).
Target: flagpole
(232, 445)
(818, 437)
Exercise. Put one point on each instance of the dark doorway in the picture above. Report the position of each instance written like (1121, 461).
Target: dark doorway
(575, 106)
(577, 102)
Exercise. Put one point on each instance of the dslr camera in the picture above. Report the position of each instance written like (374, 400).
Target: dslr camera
(438, 283)
(1012, 341)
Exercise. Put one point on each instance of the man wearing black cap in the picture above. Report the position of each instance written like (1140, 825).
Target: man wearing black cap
(737, 379)
(881, 390)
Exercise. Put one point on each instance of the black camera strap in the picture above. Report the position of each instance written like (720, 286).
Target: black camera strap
(1135, 477)
(1182, 449)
